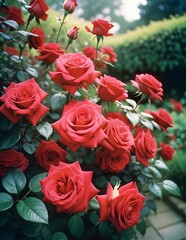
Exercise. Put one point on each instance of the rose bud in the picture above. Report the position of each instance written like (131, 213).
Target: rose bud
(70, 6)
(73, 33)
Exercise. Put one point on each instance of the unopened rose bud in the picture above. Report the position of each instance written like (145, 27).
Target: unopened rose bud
(70, 5)
(73, 33)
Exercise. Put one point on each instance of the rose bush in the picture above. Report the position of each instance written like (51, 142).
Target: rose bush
(79, 159)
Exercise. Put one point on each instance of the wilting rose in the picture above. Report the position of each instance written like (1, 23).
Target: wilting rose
(13, 13)
(38, 8)
(81, 124)
(148, 85)
(36, 41)
(74, 70)
(167, 151)
(145, 147)
(112, 161)
(162, 118)
(110, 52)
(111, 89)
(90, 52)
(49, 52)
(70, 5)
(12, 159)
(118, 134)
(48, 153)
(121, 206)
(177, 106)
(73, 33)
(100, 28)
(68, 187)
(24, 100)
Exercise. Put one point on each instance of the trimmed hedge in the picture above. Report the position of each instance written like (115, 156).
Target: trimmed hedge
(159, 49)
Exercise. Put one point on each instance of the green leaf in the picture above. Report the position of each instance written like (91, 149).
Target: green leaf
(58, 100)
(171, 187)
(147, 124)
(93, 203)
(114, 180)
(45, 129)
(11, 23)
(93, 217)
(155, 171)
(34, 183)
(59, 236)
(9, 140)
(133, 117)
(142, 227)
(76, 226)
(100, 181)
(29, 148)
(155, 125)
(5, 36)
(151, 204)
(5, 124)
(25, 33)
(6, 201)
(32, 71)
(14, 181)
(161, 165)
(155, 189)
(131, 102)
(32, 230)
(32, 209)
(21, 76)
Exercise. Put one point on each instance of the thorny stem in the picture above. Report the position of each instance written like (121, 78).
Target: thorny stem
(63, 20)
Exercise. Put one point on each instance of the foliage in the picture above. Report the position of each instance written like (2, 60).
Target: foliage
(158, 48)
(74, 197)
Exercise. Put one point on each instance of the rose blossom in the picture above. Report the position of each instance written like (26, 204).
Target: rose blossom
(13, 13)
(167, 151)
(112, 161)
(111, 89)
(90, 52)
(12, 51)
(145, 147)
(38, 8)
(24, 100)
(120, 116)
(110, 52)
(36, 41)
(177, 106)
(49, 52)
(81, 124)
(73, 33)
(70, 5)
(148, 85)
(12, 159)
(100, 28)
(74, 70)
(162, 118)
(118, 134)
(68, 187)
(121, 206)
(48, 153)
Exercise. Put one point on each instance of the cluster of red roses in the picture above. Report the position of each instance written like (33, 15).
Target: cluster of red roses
(84, 123)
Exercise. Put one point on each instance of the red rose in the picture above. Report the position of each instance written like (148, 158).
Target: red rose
(49, 52)
(12, 51)
(48, 153)
(38, 8)
(120, 116)
(162, 118)
(110, 52)
(36, 41)
(177, 106)
(70, 5)
(148, 85)
(23, 100)
(121, 206)
(12, 159)
(167, 151)
(111, 89)
(100, 27)
(74, 70)
(13, 13)
(81, 125)
(118, 134)
(68, 187)
(145, 147)
(73, 33)
(112, 161)
(90, 52)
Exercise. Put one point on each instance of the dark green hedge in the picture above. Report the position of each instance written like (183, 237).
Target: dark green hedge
(159, 49)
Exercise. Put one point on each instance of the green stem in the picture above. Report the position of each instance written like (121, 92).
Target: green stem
(97, 44)
(141, 99)
(63, 20)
